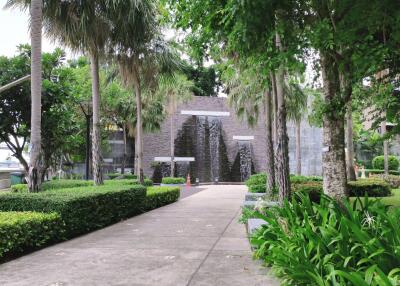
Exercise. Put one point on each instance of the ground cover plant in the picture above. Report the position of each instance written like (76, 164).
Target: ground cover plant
(331, 243)
(173, 180)
(21, 231)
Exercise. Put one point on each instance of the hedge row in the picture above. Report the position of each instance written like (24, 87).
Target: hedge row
(82, 209)
(373, 187)
(64, 184)
(21, 231)
(257, 183)
(160, 196)
(54, 184)
(118, 176)
(173, 180)
(369, 172)
(379, 163)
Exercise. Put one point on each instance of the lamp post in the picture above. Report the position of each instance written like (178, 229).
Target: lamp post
(88, 115)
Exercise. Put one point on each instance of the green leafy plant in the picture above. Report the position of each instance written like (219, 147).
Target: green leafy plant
(373, 187)
(160, 196)
(173, 181)
(331, 243)
(21, 231)
(313, 189)
(379, 163)
(295, 179)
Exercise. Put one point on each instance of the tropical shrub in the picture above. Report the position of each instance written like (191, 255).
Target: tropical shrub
(160, 196)
(379, 163)
(329, 243)
(257, 183)
(371, 187)
(84, 208)
(258, 188)
(173, 180)
(28, 230)
(313, 189)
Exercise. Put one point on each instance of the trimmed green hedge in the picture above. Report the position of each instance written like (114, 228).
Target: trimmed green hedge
(379, 163)
(392, 180)
(173, 180)
(295, 179)
(113, 176)
(21, 231)
(82, 209)
(371, 187)
(160, 196)
(377, 171)
(54, 184)
(257, 183)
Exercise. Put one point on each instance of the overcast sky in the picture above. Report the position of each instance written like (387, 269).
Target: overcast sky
(14, 30)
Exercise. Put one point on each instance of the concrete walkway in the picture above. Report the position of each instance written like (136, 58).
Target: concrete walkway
(196, 241)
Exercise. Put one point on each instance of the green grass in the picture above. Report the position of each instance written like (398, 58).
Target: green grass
(393, 200)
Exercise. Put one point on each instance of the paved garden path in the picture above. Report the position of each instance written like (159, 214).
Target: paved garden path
(196, 241)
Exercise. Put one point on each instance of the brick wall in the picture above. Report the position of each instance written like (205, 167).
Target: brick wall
(158, 144)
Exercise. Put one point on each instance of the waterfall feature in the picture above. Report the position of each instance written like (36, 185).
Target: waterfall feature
(201, 137)
(245, 159)
(215, 135)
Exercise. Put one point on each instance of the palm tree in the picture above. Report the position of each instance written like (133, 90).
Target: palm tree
(296, 106)
(82, 26)
(174, 89)
(138, 19)
(34, 180)
(249, 95)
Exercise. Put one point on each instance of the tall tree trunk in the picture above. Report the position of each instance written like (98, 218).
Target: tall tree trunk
(125, 150)
(34, 178)
(96, 141)
(333, 157)
(139, 128)
(172, 143)
(298, 147)
(135, 169)
(385, 149)
(351, 174)
(274, 109)
(282, 146)
(270, 147)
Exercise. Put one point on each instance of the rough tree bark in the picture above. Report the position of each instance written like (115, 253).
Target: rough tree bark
(96, 151)
(333, 155)
(139, 128)
(298, 147)
(34, 178)
(270, 170)
(385, 149)
(282, 146)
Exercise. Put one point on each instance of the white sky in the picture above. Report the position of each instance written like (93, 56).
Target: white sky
(14, 30)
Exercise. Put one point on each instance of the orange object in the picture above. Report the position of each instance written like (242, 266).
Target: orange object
(188, 180)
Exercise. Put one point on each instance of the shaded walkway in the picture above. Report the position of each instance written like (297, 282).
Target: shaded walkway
(196, 241)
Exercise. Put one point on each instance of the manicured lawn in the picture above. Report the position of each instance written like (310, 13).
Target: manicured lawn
(393, 200)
